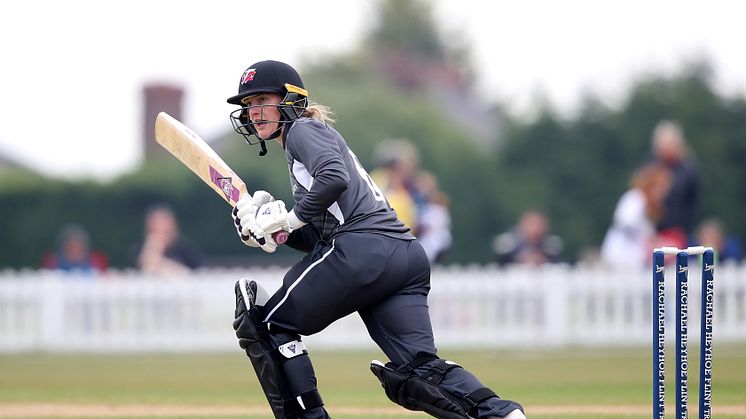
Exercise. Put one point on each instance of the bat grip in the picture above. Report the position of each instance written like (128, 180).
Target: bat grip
(280, 236)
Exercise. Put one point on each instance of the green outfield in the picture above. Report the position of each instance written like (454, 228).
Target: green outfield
(587, 383)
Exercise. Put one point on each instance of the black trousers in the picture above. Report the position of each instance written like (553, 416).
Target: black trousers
(385, 280)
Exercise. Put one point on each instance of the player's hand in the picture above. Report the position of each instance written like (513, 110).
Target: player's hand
(244, 218)
(270, 245)
(262, 197)
(271, 217)
(245, 203)
(248, 240)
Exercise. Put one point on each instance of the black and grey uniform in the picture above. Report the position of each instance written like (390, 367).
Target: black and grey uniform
(360, 258)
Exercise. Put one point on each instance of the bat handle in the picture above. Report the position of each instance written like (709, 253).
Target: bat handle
(280, 236)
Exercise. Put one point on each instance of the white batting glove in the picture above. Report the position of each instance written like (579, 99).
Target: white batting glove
(244, 216)
(270, 245)
(248, 240)
(262, 197)
(244, 206)
(273, 216)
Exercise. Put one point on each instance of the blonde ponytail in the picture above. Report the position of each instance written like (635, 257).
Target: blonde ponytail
(319, 112)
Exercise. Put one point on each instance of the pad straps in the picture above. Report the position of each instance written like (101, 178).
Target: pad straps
(472, 400)
(437, 369)
(309, 400)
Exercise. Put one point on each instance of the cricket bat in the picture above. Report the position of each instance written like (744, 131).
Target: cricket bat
(198, 156)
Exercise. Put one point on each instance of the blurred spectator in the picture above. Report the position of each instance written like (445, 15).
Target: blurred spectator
(73, 253)
(712, 233)
(433, 221)
(632, 235)
(682, 201)
(164, 250)
(530, 242)
(398, 162)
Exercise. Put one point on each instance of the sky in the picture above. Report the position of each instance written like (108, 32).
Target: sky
(72, 71)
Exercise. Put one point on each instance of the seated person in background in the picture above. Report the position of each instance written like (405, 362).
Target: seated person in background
(712, 233)
(528, 243)
(73, 253)
(164, 250)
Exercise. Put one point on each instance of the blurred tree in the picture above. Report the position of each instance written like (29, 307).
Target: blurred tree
(408, 46)
(407, 26)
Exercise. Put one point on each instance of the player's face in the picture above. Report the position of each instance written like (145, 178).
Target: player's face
(263, 113)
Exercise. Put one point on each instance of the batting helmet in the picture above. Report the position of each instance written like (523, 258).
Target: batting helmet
(269, 77)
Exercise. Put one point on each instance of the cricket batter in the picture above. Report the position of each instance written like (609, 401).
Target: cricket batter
(359, 258)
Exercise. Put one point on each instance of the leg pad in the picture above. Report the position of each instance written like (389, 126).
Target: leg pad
(253, 337)
(422, 392)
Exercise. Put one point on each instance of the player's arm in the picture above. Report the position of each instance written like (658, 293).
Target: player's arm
(304, 239)
(315, 146)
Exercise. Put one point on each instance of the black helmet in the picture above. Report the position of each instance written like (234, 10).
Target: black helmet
(269, 77)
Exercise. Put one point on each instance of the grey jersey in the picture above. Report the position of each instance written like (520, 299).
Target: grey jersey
(331, 190)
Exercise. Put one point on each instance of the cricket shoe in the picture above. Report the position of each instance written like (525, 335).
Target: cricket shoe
(516, 414)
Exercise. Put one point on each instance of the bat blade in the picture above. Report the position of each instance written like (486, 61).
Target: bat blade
(198, 156)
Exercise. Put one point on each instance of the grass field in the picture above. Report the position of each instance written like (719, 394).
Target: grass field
(583, 383)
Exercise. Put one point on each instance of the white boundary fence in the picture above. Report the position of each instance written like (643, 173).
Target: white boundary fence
(557, 306)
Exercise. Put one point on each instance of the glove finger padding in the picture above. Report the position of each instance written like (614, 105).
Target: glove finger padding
(244, 217)
(262, 197)
(266, 242)
(270, 245)
(247, 239)
(245, 208)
